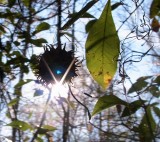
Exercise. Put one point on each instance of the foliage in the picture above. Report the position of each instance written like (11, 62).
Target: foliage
(127, 111)
(102, 48)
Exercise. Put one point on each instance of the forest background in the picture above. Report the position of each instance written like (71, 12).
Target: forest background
(113, 100)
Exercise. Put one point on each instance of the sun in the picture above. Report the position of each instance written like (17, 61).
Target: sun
(59, 90)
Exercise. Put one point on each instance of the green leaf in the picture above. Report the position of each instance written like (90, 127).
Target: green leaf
(132, 108)
(107, 102)
(147, 127)
(38, 139)
(157, 80)
(26, 2)
(22, 82)
(13, 102)
(49, 128)
(154, 90)
(102, 48)
(20, 125)
(78, 15)
(46, 128)
(16, 43)
(90, 24)
(155, 8)
(116, 5)
(139, 85)
(19, 85)
(157, 111)
(41, 27)
(85, 15)
(38, 42)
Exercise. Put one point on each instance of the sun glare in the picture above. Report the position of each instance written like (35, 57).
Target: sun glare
(59, 90)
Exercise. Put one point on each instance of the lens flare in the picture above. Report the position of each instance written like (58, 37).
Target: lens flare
(60, 90)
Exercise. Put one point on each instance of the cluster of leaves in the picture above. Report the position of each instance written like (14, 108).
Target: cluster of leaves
(147, 127)
(20, 26)
(102, 49)
(154, 14)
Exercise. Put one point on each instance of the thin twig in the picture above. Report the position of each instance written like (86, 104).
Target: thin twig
(89, 115)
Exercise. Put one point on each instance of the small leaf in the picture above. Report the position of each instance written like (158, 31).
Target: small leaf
(13, 102)
(107, 102)
(155, 25)
(157, 80)
(139, 84)
(102, 48)
(16, 43)
(90, 24)
(38, 42)
(22, 82)
(154, 90)
(46, 128)
(157, 111)
(155, 8)
(49, 128)
(38, 139)
(26, 2)
(41, 27)
(85, 15)
(20, 125)
(132, 108)
(78, 15)
(116, 5)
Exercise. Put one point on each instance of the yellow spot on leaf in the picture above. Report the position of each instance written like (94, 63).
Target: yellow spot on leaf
(107, 79)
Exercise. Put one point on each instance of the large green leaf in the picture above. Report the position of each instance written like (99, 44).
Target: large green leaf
(102, 48)
(20, 125)
(107, 102)
(155, 8)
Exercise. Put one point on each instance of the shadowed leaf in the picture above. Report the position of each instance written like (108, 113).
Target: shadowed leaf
(139, 84)
(38, 42)
(147, 126)
(13, 102)
(107, 102)
(41, 27)
(20, 125)
(155, 8)
(78, 15)
(132, 108)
